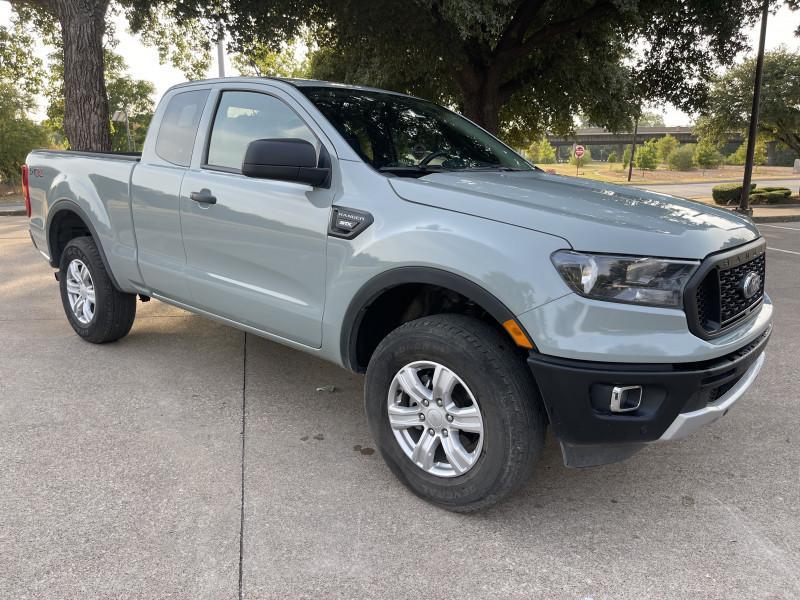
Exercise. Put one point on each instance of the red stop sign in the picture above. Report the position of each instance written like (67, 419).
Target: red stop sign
(579, 151)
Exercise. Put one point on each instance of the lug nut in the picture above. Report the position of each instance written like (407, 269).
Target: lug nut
(439, 402)
(431, 431)
(421, 417)
(445, 432)
(425, 403)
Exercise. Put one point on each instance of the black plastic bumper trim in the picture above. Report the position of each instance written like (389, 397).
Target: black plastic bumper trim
(576, 394)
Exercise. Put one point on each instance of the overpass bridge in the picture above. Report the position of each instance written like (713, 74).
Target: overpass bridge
(597, 136)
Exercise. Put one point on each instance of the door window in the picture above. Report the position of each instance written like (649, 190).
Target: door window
(246, 116)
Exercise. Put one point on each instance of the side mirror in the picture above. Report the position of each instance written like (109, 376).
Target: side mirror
(287, 160)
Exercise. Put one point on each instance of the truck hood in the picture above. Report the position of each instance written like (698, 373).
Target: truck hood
(592, 216)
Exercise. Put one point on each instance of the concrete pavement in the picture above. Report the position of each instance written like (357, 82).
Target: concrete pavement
(122, 469)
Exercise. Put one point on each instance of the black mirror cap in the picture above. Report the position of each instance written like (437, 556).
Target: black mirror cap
(287, 159)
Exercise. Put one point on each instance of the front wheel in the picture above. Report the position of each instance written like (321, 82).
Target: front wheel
(454, 411)
(97, 311)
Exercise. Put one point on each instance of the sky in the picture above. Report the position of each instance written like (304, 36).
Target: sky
(143, 60)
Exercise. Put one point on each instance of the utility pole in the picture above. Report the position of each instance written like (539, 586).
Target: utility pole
(221, 52)
(633, 146)
(744, 201)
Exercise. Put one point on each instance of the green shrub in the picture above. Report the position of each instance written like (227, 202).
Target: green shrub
(707, 156)
(759, 155)
(785, 191)
(583, 160)
(769, 195)
(728, 193)
(681, 159)
(542, 152)
(647, 155)
(612, 157)
(666, 146)
(626, 156)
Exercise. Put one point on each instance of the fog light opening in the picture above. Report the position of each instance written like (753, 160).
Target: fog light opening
(625, 398)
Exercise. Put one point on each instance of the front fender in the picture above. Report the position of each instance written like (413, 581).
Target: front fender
(509, 266)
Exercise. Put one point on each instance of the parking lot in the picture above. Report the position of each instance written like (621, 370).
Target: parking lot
(191, 461)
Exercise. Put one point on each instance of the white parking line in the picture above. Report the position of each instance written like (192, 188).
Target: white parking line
(780, 250)
(778, 227)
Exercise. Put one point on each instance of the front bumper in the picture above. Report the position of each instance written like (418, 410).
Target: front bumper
(677, 399)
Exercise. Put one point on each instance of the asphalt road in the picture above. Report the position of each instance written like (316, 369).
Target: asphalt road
(703, 190)
(122, 469)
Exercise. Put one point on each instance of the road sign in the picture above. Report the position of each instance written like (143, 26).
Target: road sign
(579, 151)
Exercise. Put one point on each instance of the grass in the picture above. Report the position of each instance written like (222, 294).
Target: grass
(615, 173)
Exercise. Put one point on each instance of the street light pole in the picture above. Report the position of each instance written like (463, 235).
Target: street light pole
(221, 53)
(744, 201)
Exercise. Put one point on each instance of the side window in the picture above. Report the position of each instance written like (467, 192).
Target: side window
(246, 116)
(179, 127)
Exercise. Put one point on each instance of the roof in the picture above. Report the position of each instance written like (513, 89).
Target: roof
(293, 81)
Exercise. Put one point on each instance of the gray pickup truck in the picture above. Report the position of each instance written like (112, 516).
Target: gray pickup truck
(483, 298)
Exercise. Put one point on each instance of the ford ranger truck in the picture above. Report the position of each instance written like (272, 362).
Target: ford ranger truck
(484, 299)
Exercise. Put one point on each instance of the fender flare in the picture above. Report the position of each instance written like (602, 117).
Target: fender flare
(66, 204)
(382, 282)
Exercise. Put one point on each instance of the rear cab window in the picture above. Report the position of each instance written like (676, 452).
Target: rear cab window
(178, 128)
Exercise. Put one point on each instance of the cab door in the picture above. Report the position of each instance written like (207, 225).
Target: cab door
(255, 248)
(155, 194)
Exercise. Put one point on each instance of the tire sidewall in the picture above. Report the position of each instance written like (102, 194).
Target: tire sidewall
(492, 399)
(71, 252)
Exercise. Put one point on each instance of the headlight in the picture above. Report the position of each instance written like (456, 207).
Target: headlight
(631, 279)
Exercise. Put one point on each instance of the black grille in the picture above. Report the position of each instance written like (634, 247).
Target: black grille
(733, 303)
(719, 302)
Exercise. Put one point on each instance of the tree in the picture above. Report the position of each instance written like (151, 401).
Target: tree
(779, 113)
(21, 76)
(542, 152)
(706, 155)
(20, 135)
(524, 66)
(651, 119)
(682, 159)
(759, 156)
(263, 61)
(612, 157)
(666, 146)
(82, 24)
(135, 96)
(647, 155)
(626, 156)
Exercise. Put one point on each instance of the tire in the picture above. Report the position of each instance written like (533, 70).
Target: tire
(113, 312)
(490, 373)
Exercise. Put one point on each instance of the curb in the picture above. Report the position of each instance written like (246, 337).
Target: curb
(776, 219)
(12, 212)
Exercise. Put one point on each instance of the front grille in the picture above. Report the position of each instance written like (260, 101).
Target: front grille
(718, 300)
(732, 302)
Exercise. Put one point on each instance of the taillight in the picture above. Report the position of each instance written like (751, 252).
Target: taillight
(26, 190)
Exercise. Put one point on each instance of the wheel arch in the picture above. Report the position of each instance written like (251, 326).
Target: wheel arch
(385, 282)
(64, 211)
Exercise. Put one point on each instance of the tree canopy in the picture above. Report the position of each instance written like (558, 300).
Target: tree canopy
(732, 96)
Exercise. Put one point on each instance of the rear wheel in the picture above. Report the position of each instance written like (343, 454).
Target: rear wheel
(97, 311)
(454, 411)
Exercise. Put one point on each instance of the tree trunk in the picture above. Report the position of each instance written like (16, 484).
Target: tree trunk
(481, 90)
(86, 122)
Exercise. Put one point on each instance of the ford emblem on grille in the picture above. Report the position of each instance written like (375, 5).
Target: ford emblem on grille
(750, 284)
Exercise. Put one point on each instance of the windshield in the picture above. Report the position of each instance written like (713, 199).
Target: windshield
(408, 136)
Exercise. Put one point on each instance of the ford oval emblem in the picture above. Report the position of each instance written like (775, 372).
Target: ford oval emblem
(750, 285)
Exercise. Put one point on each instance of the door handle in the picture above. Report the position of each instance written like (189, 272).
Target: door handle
(204, 196)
